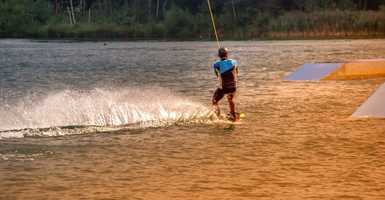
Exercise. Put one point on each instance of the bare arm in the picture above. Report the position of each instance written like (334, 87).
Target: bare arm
(216, 73)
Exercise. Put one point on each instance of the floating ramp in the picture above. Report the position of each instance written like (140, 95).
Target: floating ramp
(374, 107)
(313, 72)
(359, 69)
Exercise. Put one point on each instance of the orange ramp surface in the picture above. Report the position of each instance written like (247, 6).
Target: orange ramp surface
(359, 69)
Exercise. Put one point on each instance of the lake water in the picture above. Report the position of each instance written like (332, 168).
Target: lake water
(132, 120)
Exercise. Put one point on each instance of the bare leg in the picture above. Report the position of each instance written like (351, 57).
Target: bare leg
(230, 98)
(218, 95)
(216, 109)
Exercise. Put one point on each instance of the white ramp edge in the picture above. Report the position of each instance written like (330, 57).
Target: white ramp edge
(313, 72)
(374, 107)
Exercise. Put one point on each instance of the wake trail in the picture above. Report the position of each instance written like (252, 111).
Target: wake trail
(76, 112)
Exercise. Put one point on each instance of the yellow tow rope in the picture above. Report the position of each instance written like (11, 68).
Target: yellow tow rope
(213, 22)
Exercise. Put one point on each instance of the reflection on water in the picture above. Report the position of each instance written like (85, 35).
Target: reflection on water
(297, 141)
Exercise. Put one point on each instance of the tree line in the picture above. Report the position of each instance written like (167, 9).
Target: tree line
(189, 19)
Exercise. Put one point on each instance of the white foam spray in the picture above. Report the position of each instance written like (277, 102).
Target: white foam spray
(98, 108)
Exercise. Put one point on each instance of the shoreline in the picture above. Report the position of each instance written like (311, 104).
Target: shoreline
(123, 39)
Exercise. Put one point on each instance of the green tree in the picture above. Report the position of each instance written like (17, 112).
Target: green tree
(179, 23)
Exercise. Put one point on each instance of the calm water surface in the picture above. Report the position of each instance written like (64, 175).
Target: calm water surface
(131, 120)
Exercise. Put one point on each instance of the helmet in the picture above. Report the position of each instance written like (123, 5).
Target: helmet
(222, 52)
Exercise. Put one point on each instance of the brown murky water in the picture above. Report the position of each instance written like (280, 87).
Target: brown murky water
(297, 141)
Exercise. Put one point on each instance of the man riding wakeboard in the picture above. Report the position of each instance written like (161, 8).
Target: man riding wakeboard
(226, 71)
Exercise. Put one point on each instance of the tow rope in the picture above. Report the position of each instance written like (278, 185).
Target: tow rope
(213, 23)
